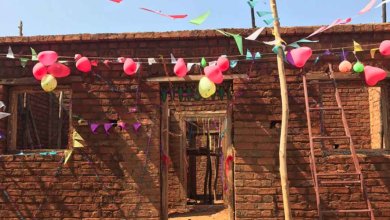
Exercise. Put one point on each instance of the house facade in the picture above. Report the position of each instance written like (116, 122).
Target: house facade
(131, 135)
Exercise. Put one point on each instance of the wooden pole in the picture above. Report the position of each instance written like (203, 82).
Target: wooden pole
(253, 17)
(20, 28)
(384, 12)
(285, 114)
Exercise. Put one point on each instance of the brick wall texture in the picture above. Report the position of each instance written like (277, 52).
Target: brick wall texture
(117, 176)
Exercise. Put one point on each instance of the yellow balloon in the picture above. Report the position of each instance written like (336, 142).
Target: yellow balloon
(206, 87)
(48, 83)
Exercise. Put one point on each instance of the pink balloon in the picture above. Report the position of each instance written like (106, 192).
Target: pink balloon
(39, 70)
(218, 79)
(130, 67)
(77, 56)
(214, 73)
(373, 75)
(59, 70)
(223, 63)
(384, 48)
(345, 66)
(48, 57)
(83, 65)
(299, 56)
(180, 68)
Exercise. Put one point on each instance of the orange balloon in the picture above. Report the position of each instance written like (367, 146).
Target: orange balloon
(345, 66)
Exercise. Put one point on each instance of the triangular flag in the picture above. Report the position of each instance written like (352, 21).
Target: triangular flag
(107, 127)
(76, 136)
(77, 144)
(257, 55)
(373, 51)
(23, 61)
(4, 114)
(203, 62)
(367, 7)
(10, 54)
(294, 44)
(317, 59)
(252, 3)
(233, 63)
(262, 13)
(271, 43)
(189, 66)
(116, 1)
(382, 3)
(199, 20)
(269, 21)
(327, 52)
(93, 127)
(236, 37)
(255, 34)
(248, 55)
(173, 59)
(67, 154)
(212, 63)
(357, 47)
(151, 61)
(34, 56)
(238, 40)
(2, 105)
(304, 40)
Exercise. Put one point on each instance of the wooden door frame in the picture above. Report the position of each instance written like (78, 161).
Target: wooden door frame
(182, 117)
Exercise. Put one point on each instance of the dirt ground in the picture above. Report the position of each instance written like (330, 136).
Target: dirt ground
(204, 213)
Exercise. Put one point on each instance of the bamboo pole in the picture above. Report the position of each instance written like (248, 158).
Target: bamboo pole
(285, 114)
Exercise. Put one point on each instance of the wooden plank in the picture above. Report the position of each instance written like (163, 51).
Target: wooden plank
(164, 167)
(32, 81)
(338, 76)
(191, 78)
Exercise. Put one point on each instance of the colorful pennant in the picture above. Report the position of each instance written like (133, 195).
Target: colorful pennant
(252, 3)
(263, 13)
(67, 154)
(233, 63)
(248, 55)
(23, 61)
(357, 47)
(165, 15)
(367, 7)
(255, 34)
(10, 54)
(373, 51)
(34, 56)
(202, 18)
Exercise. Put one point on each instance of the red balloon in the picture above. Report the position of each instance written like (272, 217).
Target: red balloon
(180, 68)
(48, 57)
(373, 75)
(223, 63)
(130, 67)
(299, 56)
(384, 48)
(83, 65)
(214, 73)
(39, 70)
(59, 70)
(218, 79)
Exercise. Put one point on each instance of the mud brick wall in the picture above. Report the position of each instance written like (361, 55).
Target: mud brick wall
(117, 176)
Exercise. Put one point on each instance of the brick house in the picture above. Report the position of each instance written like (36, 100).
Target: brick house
(121, 174)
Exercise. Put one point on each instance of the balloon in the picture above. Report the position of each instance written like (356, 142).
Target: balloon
(83, 65)
(48, 57)
(358, 67)
(373, 75)
(214, 74)
(48, 83)
(77, 56)
(223, 63)
(206, 87)
(345, 66)
(180, 68)
(39, 70)
(299, 56)
(384, 48)
(59, 70)
(218, 79)
(130, 67)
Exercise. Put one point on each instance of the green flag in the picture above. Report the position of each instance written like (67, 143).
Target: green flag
(23, 61)
(199, 20)
(34, 56)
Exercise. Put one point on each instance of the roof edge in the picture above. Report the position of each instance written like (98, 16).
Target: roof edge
(193, 34)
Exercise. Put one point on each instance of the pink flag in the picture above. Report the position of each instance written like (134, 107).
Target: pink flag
(117, 1)
(336, 22)
(107, 126)
(93, 127)
(368, 7)
(165, 15)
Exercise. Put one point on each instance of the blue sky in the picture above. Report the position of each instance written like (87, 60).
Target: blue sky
(42, 17)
